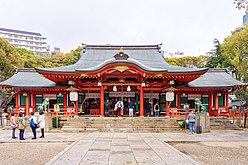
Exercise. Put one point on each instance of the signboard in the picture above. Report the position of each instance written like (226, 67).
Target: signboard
(194, 96)
(92, 95)
(73, 96)
(56, 108)
(151, 95)
(121, 94)
(169, 96)
(50, 96)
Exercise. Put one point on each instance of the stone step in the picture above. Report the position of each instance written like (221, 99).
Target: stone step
(120, 124)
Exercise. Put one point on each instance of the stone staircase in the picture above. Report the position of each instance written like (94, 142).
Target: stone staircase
(120, 124)
(222, 123)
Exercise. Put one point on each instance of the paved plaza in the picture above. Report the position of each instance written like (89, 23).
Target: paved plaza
(125, 148)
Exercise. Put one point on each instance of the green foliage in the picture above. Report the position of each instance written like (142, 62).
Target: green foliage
(54, 121)
(9, 59)
(216, 59)
(188, 61)
(235, 49)
(241, 93)
(6, 96)
(12, 58)
(184, 124)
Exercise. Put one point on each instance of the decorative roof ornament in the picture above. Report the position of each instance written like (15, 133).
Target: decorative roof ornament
(72, 89)
(121, 55)
(170, 89)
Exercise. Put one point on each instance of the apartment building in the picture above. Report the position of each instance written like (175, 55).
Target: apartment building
(24, 39)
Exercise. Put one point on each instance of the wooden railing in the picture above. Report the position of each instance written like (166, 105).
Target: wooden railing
(179, 113)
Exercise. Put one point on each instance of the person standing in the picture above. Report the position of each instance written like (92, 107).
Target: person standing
(42, 123)
(130, 108)
(4, 119)
(33, 127)
(107, 107)
(148, 108)
(118, 107)
(156, 110)
(13, 124)
(191, 120)
(21, 121)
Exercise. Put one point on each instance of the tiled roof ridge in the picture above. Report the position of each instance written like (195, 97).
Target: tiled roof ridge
(217, 70)
(127, 47)
(25, 70)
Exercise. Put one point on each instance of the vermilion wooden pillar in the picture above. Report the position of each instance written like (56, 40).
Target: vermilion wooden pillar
(102, 101)
(167, 108)
(141, 101)
(27, 105)
(76, 108)
(216, 102)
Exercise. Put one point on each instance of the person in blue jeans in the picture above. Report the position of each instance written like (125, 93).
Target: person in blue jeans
(191, 119)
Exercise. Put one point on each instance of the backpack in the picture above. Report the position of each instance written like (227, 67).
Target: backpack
(32, 124)
(156, 107)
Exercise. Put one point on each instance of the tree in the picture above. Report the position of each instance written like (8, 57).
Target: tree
(235, 52)
(242, 95)
(216, 58)
(242, 4)
(9, 59)
(188, 61)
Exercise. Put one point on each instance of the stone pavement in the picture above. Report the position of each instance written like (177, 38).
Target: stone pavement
(125, 148)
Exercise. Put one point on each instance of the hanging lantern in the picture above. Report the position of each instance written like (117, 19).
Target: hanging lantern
(114, 88)
(128, 88)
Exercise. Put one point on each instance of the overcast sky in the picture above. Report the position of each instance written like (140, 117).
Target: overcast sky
(187, 26)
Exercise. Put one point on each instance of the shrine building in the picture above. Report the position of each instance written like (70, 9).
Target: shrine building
(119, 72)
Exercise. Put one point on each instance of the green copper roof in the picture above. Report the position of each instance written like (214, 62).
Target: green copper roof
(146, 57)
(28, 78)
(216, 78)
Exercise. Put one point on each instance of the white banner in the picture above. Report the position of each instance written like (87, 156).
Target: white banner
(50, 96)
(194, 96)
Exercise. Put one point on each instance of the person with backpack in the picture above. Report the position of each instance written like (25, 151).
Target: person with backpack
(33, 124)
(156, 110)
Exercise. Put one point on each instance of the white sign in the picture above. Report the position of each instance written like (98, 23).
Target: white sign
(73, 96)
(50, 96)
(92, 95)
(121, 94)
(151, 95)
(169, 96)
(194, 96)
